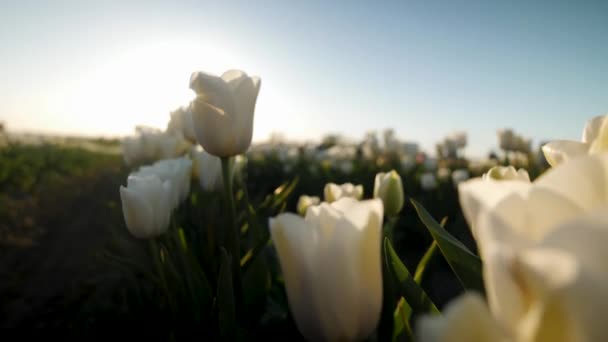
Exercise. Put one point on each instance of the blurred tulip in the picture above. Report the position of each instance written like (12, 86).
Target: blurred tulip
(595, 140)
(306, 201)
(132, 150)
(507, 173)
(177, 170)
(334, 192)
(208, 170)
(146, 205)
(428, 181)
(331, 262)
(544, 251)
(222, 111)
(459, 176)
(150, 145)
(389, 188)
(454, 323)
(443, 173)
(181, 123)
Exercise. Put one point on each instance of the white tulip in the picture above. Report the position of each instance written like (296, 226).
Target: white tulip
(455, 323)
(149, 145)
(223, 110)
(208, 169)
(506, 173)
(132, 150)
(389, 188)
(331, 261)
(407, 163)
(544, 251)
(146, 205)
(304, 202)
(594, 140)
(181, 123)
(459, 176)
(428, 181)
(178, 171)
(334, 192)
(443, 173)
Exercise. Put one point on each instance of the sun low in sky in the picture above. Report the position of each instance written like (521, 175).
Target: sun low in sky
(138, 86)
(425, 69)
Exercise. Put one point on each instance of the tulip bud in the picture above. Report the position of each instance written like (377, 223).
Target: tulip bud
(389, 188)
(331, 263)
(334, 192)
(306, 201)
(146, 205)
(222, 112)
(507, 173)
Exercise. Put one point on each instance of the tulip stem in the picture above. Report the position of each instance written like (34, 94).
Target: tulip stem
(386, 323)
(155, 251)
(231, 233)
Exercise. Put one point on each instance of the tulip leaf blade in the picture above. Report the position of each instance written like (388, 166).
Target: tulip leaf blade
(401, 319)
(423, 264)
(465, 264)
(225, 298)
(415, 296)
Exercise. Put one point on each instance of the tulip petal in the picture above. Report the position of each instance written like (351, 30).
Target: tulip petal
(233, 78)
(137, 213)
(455, 323)
(213, 128)
(296, 245)
(592, 128)
(561, 150)
(245, 96)
(477, 196)
(370, 268)
(532, 215)
(566, 275)
(338, 294)
(378, 183)
(205, 83)
(584, 181)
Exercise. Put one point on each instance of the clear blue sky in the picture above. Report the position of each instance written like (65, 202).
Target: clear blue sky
(424, 68)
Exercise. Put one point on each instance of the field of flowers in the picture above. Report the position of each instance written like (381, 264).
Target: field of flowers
(192, 230)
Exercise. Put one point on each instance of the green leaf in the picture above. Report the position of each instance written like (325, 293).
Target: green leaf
(410, 290)
(427, 257)
(401, 321)
(256, 283)
(465, 264)
(225, 299)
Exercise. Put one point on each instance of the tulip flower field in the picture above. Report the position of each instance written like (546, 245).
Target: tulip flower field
(195, 232)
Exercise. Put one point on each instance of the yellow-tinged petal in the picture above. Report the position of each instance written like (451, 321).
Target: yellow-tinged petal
(559, 151)
(467, 318)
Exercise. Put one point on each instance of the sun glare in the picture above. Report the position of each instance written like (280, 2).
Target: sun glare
(142, 85)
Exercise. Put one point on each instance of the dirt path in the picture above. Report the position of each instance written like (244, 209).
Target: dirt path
(42, 284)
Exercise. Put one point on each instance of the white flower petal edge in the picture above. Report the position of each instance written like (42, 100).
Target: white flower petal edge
(559, 151)
(332, 266)
(455, 323)
(223, 111)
